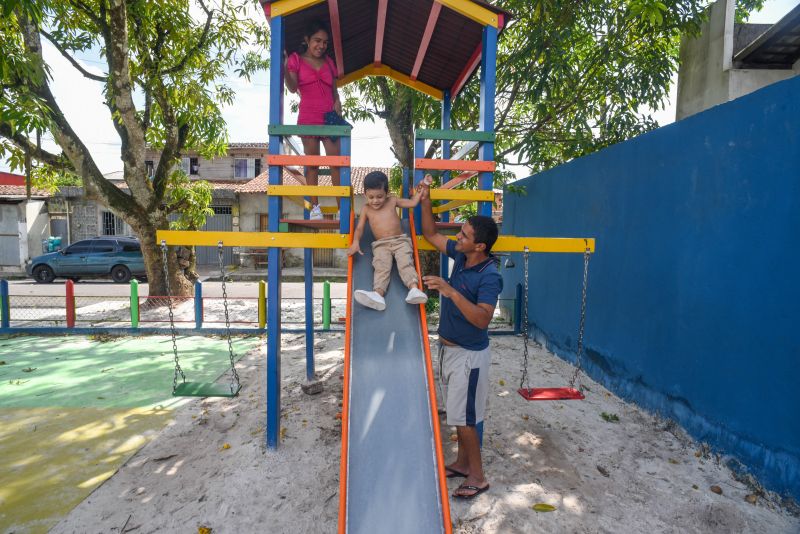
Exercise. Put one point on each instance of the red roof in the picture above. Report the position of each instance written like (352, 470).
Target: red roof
(13, 185)
(357, 174)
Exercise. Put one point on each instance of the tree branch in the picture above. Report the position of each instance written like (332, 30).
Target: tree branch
(37, 152)
(72, 60)
(194, 49)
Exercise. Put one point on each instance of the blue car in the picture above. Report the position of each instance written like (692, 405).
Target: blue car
(115, 256)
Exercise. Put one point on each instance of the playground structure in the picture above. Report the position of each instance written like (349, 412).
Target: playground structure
(439, 67)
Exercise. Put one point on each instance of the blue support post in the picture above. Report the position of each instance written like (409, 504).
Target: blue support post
(198, 305)
(5, 308)
(274, 210)
(447, 106)
(308, 264)
(344, 178)
(518, 311)
(488, 76)
(419, 152)
(404, 192)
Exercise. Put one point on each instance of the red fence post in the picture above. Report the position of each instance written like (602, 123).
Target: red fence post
(70, 285)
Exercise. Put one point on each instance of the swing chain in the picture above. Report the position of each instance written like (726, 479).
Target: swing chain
(234, 375)
(171, 319)
(524, 381)
(582, 320)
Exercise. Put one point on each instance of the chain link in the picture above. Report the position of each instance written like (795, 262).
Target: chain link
(578, 358)
(524, 304)
(171, 320)
(234, 375)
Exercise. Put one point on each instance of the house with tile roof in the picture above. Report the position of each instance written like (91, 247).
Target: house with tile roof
(24, 222)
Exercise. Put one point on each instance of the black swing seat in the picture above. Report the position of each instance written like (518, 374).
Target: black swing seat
(550, 394)
(205, 389)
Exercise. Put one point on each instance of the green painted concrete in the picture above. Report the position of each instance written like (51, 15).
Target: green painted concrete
(117, 373)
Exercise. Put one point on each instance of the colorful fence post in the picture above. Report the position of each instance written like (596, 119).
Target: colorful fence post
(262, 304)
(5, 308)
(198, 305)
(70, 286)
(326, 305)
(134, 303)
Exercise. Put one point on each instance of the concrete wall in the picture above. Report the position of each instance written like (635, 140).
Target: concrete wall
(705, 61)
(219, 168)
(38, 226)
(694, 289)
(707, 76)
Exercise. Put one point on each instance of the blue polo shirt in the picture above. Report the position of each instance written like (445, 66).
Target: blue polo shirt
(480, 284)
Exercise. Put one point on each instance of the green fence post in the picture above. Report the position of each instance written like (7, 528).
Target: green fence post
(262, 304)
(134, 303)
(326, 305)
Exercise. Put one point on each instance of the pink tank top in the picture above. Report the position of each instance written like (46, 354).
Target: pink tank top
(316, 89)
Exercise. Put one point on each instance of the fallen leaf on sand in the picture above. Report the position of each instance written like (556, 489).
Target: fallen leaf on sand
(752, 498)
(502, 382)
(716, 489)
(525, 417)
(603, 471)
(543, 507)
(203, 530)
(226, 446)
(673, 461)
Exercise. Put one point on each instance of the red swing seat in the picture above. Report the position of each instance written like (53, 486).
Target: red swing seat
(550, 394)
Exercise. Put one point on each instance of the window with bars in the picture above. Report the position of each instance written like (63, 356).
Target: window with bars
(112, 225)
(222, 210)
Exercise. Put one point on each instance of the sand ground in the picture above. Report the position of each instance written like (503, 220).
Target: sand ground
(209, 467)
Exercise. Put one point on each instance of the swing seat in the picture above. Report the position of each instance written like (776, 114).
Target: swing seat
(205, 389)
(550, 394)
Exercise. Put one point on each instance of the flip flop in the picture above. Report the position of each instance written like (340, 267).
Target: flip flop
(476, 489)
(452, 473)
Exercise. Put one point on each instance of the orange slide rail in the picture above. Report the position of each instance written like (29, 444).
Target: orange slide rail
(346, 388)
(437, 436)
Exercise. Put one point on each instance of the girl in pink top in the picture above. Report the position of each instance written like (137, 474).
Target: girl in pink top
(312, 74)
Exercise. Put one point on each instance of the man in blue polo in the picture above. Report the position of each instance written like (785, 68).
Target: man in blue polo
(467, 305)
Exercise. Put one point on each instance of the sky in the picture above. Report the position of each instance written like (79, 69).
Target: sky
(82, 103)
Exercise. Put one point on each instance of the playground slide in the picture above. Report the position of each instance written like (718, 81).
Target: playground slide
(391, 477)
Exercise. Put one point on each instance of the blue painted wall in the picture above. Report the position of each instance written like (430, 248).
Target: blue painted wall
(694, 292)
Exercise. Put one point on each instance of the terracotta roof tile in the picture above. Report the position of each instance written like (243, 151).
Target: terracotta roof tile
(19, 191)
(260, 182)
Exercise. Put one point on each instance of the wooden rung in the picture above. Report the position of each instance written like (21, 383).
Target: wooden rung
(309, 161)
(254, 239)
(305, 129)
(453, 165)
(450, 205)
(455, 135)
(458, 180)
(508, 243)
(462, 194)
(308, 190)
(322, 224)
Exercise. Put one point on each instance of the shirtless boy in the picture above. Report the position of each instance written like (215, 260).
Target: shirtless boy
(390, 241)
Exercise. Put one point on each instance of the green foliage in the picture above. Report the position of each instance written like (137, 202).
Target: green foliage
(610, 417)
(190, 200)
(572, 78)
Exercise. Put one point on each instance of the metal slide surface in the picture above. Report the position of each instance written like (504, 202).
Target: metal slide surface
(392, 481)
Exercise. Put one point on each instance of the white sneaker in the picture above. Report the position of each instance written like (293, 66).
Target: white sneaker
(316, 213)
(370, 299)
(416, 296)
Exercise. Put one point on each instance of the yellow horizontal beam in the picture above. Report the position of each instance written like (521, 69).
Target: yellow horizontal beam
(308, 190)
(472, 11)
(287, 7)
(450, 205)
(509, 243)
(254, 239)
(383, 70)
(462, 194)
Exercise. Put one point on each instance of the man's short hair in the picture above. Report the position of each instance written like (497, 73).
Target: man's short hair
(376, 180)
(485, 230)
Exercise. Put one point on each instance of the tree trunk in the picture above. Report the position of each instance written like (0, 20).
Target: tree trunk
(179, 285)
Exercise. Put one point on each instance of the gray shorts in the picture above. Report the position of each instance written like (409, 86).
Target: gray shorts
(464, 376)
